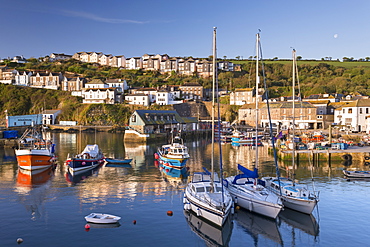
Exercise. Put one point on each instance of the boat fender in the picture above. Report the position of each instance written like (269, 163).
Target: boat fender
(367, 157)
(156, 156)
(198, 212)
(367, 163)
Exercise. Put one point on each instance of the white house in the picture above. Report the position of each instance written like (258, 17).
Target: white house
(22, 78)
(353, 115)
(134, 63)
(151, 92)
(96, 83)
(137, 99)
(164, 97)
(99, 95)
(49, 116)
(120, 84)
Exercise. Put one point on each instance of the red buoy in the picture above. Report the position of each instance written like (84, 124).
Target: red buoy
(87, 227)
(169, 213)
(156, 156)
(134, 222)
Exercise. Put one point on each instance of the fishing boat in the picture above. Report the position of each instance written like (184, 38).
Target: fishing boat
(292, 194)
(244, 187)
(33, 152)
(356, 174)
(205, 194)
(100, 218)
(173, 155)
(118, 161)
(89, 158)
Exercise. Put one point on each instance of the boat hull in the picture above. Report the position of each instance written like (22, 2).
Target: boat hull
(356, 174)
(255, 204)
(300, 205)
(117, 161)
(76, 166)
(99, 218)
(33, 159)
(205, 210)
(176, 163)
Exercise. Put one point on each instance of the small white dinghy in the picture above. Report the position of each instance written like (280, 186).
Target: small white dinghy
(100, 218)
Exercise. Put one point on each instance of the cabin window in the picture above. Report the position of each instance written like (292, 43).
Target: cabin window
(208, 188)
(200, 189)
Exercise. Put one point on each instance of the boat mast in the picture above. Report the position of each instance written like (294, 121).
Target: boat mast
(213, 102)
(293, 106)
(257, 82)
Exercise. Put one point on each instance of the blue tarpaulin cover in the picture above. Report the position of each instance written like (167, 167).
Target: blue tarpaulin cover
(10, 134)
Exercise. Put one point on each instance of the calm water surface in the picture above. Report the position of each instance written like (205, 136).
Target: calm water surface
(51, 210)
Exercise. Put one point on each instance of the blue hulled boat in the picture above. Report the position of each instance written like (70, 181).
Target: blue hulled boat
(173, 155)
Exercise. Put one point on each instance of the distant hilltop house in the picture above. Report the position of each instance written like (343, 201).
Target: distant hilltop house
(155, 62)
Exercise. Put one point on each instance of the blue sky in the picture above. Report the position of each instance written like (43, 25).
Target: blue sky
(315, 28)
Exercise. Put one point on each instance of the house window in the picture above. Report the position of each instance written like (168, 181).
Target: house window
(367, 110)
(133, 118)
(350, 110)
(344, 110)
(360, 110)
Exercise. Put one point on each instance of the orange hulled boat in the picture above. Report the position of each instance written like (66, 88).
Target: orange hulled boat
(34, 152)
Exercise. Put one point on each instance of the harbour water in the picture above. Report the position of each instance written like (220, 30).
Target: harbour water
(50, 210)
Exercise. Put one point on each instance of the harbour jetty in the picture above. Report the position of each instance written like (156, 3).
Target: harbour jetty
(354, 153)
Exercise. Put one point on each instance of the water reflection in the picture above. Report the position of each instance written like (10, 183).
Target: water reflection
(74, 179)
(212, 235)
(258, 226)
(304, 222)
(33, 188)
(28, 179)
(95, 225)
